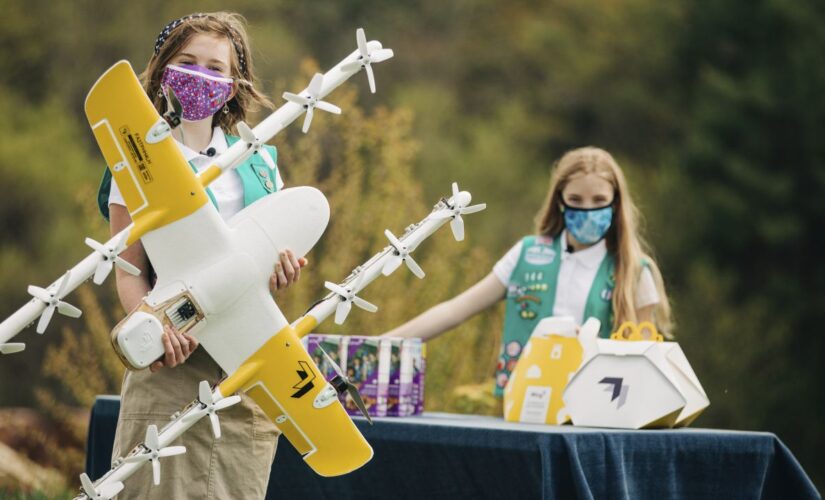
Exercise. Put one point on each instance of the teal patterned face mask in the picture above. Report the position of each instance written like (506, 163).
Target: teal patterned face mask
(588, 225)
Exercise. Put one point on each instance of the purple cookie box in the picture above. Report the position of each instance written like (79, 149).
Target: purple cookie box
(393, 372)
(389, 373)
(362, 370)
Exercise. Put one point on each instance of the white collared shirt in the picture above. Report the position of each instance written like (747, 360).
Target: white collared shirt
(576, 274)
(227, 189)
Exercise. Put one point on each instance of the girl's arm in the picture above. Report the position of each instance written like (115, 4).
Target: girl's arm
(131, 290)
(645, 313)
(449, 314)
(647, 297)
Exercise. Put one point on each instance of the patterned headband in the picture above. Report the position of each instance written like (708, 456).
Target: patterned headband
(164, 34)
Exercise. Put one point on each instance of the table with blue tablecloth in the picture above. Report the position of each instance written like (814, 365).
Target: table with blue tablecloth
(441, 456)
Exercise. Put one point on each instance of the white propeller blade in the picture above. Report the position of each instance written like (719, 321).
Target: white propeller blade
(350, 388)
(363, 304)
(370, 77)
(11, 348)
(111, 258)
(106, 492)
(349, 298)
(414, 267)
(361, 40)
(312, 101)
(366, 58)
(308, 119)
(342, 311)
(249, 137)
(332, 362)
(473, 208)
(393, 263)
(295, 98)
(401, 254)
(315, 85)
(457, 225)
(329, 108)
(210, 407)
(267, 158)
(154, 452)
(52, 301)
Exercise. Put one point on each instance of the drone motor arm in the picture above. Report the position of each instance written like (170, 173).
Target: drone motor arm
(444, 211)
(74, 277)
(209, 401)
(286, 114)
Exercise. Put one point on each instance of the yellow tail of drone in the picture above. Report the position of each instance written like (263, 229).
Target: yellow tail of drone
(157, 183)
(285, 382)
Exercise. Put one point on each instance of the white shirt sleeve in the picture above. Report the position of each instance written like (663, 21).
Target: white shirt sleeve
(279, 183)
(507, 264)
(115, 197)
(646, 293)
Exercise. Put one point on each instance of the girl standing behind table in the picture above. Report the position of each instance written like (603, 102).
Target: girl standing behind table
(587, 259)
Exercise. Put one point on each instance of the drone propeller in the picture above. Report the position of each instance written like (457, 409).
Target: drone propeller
(154, 452)
(460, 201)
(342, 384)
(111, 258)
(401, 254)
(106, 492)
(313, 100)
(249, 137)
(210, 407)
(366, 58)
(348, 298)
(11, 348)
(52, 301)
(175, 108)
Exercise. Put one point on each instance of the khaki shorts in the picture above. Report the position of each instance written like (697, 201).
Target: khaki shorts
(235, 466)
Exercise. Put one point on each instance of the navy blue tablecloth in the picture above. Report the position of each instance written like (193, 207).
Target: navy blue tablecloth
(441, 456)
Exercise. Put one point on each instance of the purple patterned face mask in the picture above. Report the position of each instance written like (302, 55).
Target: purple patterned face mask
(200, 91)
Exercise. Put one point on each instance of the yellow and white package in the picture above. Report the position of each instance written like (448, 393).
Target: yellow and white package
(550, 359)
(634, 380)
(694, 394)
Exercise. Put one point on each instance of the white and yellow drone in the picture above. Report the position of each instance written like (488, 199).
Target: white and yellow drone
(212, 276)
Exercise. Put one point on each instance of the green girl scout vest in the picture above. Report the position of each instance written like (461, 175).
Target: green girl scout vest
(531, 295)
(257, 178)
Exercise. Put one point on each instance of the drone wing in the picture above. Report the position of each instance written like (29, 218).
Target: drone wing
(287, 384)
(157, 183)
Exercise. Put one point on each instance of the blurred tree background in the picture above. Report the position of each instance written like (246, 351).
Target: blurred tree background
(712, 108)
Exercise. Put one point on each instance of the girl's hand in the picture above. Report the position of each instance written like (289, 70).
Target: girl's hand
(287, 271)
(177, 346)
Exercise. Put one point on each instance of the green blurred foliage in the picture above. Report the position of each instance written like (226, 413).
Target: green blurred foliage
(712, 108)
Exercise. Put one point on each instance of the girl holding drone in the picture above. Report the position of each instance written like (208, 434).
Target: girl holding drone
(205, 61)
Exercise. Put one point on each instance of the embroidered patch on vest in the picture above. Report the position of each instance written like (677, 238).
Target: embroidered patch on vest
(513, 349)
(526, 304)
(540, 255)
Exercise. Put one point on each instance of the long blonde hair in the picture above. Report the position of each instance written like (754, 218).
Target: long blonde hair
(229, 25)
(623, 238)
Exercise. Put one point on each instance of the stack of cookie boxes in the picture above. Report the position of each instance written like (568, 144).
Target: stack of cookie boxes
(388, 372)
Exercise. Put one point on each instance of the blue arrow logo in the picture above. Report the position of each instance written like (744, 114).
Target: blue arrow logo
(619, 389)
